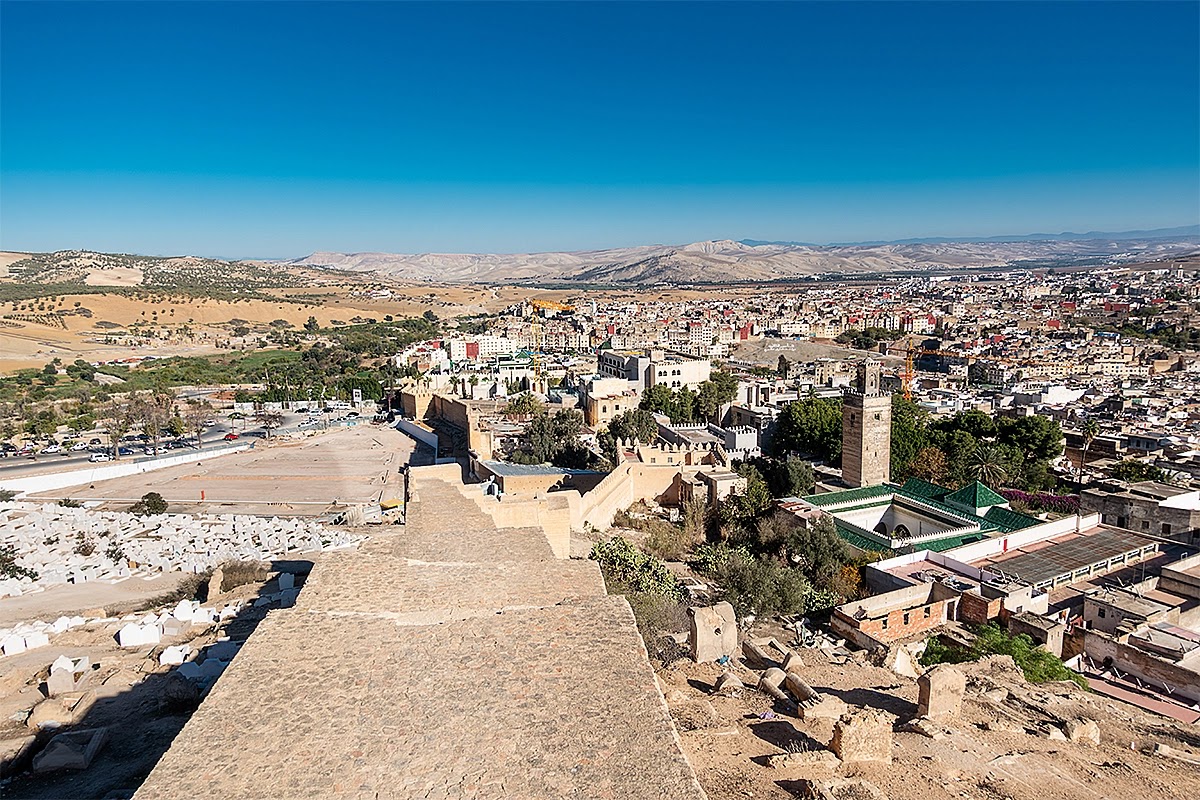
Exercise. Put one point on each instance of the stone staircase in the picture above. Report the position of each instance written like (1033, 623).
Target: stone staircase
(450, 659)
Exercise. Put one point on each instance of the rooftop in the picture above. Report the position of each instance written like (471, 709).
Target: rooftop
(1048, 560)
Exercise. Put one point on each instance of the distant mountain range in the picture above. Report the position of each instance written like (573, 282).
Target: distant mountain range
(725, 261)
(1156, 233)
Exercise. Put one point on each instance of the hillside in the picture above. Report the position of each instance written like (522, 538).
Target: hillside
(727, 261)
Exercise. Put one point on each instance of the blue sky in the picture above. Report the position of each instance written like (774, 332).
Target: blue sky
(275, 129)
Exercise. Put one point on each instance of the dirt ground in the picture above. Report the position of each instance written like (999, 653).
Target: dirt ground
(995, 750)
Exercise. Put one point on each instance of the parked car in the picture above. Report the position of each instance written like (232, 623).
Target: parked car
(94, 441)
(51, 449)
(75, 448)
(98, 457)
(229, 437)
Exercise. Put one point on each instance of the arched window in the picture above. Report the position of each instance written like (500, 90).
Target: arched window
(901, 532)
(881, 528)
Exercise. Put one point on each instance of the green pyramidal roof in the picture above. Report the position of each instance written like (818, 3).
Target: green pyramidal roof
(974, 496)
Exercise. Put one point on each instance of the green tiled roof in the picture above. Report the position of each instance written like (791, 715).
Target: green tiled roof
(923, 489)
(856, 539)
(1010, 520)
(941, 545)
(849, 495)
(975, 495)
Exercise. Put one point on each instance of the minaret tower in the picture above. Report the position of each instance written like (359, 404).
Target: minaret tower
(866, 430)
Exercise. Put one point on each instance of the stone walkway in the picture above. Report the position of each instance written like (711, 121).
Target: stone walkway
(450, 660)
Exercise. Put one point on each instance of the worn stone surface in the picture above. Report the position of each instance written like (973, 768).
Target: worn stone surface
(863, 735)
(940, 691)
(449, 660)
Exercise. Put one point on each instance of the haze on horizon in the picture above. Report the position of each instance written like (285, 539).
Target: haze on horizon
(275, 130)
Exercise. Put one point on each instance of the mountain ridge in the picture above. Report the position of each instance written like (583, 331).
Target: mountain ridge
(726, 260)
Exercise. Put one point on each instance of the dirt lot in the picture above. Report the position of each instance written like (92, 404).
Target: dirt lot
(294, 476)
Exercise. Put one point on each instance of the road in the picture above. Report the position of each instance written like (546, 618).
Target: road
(15, 466)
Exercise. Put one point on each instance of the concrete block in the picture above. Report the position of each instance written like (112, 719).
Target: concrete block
(174, 656)
(286, 580)
(13, 644)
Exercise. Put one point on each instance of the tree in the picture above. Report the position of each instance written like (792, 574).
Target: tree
(1091, 429)
(817, 551)
(1038, 438)
(909, 435)
(658, 399)
(120, 416)
(636, 424)
(987, 465)
(269, 420)
(311, 325)
(430, 317)
(151, 503)
(525, 404)
(1131, 470)
(196, 417)
(552, 437)
(787, 477)
(810, 426)
(931, 465)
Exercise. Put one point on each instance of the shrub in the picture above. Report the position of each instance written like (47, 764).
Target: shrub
(623, 563)
(151, 503)
(1038, 665)
(9, 568)
(764, 586)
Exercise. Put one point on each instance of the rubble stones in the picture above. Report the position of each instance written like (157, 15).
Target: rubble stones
(73, 750)
(823, 759)
(863, 735)
(941, 691)
(713, 632)
(1084, 731)
(728, 683)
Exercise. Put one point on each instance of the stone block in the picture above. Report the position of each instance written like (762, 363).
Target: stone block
(286, 580)
(827, 707)
(1084, 731)
(713, 632)
(13, 644)
(864, 735)
(73, 750)
(940, 691)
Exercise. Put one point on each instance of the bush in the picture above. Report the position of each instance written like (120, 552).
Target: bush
(764, 586)
(1038, 665)
(151, 503)
(9, 568)
(623, 563)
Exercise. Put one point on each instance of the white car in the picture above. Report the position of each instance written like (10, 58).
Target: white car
(98, 457)
(75, 448)
(52, 449)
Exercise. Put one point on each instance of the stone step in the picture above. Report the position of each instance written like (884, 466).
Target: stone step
(421, 593)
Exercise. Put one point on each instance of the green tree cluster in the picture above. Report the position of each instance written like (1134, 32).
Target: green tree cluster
(685, 406)
(811, 426)
(1038, 664)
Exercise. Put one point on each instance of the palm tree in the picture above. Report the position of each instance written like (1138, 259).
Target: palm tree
(987, 463)
(1091, 429)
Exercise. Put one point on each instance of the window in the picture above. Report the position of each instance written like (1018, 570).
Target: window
(1101, 613)
(884, 625)
(1166, 529)
(877, 417)
(927, 611)
(1145, 524)
(905, 617)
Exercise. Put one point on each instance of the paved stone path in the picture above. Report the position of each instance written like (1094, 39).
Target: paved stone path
(450, 660)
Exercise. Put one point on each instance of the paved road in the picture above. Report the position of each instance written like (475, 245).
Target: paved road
(15, 466)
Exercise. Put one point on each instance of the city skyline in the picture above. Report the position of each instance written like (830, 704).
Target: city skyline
(273, 130)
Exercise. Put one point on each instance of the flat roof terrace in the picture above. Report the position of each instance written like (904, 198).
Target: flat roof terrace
(1072, 557)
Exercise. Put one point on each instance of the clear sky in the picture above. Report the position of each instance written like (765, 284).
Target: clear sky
(276, 129)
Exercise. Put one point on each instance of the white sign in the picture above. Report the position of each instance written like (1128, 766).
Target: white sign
(356, 395)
